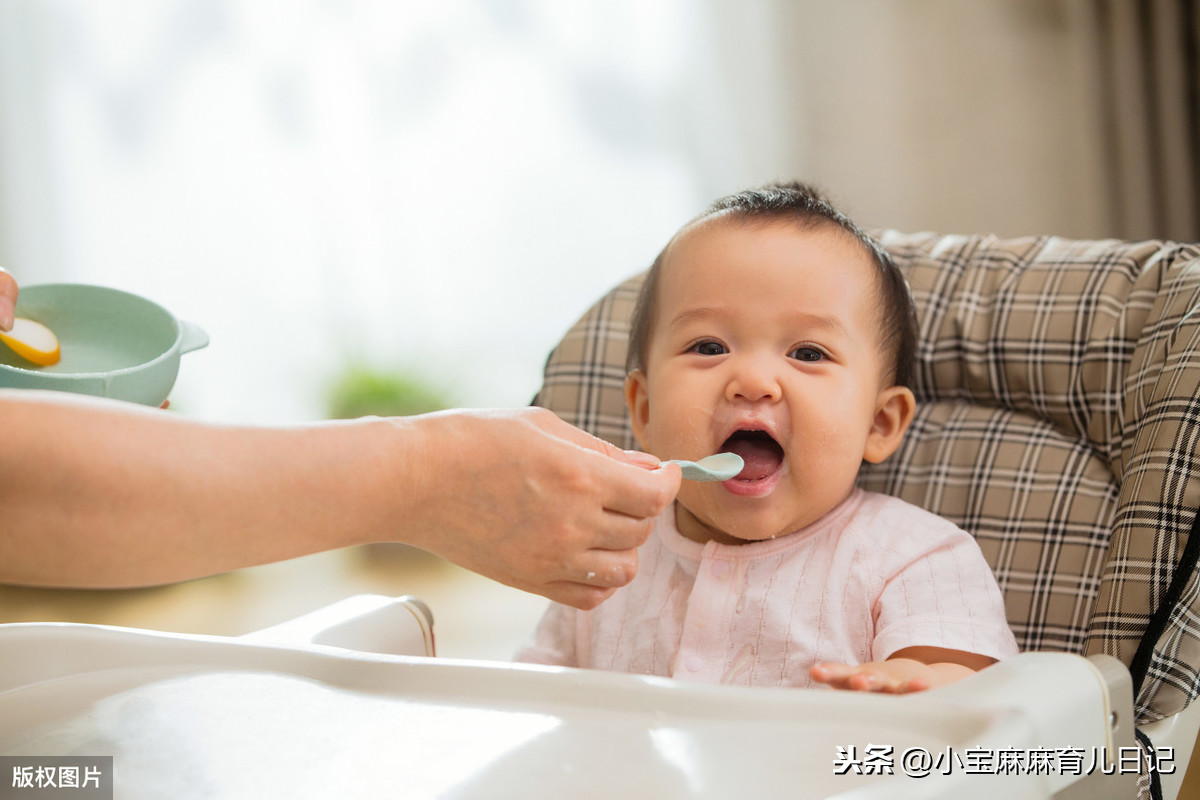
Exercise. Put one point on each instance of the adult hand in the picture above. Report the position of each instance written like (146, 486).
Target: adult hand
(530, 501)
(8, 299)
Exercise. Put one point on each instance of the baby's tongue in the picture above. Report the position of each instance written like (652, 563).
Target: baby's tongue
(762, 456)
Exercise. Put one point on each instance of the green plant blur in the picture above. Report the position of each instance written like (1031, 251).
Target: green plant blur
(363, 390)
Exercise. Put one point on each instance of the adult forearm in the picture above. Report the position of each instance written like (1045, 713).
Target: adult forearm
(104, 494)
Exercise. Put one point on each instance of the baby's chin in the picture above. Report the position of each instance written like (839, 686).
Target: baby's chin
(705, 528)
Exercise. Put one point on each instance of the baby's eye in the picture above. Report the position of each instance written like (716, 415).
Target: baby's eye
(809, 354)
(708, 348)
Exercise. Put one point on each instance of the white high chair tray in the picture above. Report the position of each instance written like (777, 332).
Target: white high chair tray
(194, 716)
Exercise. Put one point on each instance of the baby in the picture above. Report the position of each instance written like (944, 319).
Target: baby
(771, 326)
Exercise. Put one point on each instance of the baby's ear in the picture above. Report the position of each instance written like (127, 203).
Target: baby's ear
(894, 412)
(637, 400)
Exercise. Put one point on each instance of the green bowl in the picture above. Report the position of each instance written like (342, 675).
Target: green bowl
(113, 343)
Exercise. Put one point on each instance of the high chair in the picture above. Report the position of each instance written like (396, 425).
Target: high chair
(1058, 387)
(346, 702)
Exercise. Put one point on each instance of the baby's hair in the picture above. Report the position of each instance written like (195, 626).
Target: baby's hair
(804, 205)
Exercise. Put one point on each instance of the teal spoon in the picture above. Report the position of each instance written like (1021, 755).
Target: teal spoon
(719, 467)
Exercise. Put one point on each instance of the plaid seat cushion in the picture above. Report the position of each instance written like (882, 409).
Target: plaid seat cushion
(1058, 414)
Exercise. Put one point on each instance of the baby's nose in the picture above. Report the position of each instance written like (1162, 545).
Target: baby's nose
(753, 379)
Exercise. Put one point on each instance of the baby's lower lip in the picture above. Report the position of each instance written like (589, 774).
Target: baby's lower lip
(758, 488)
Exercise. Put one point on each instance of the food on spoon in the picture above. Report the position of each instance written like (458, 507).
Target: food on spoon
(32, 341)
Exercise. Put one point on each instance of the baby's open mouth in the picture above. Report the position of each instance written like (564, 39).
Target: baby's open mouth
(762, 454)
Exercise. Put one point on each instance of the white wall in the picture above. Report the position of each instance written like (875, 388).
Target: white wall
(446, 187)
(963, 117)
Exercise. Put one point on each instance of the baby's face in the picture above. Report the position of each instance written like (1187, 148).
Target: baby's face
(766, 344)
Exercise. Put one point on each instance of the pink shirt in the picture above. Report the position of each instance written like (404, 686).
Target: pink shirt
(871, 577)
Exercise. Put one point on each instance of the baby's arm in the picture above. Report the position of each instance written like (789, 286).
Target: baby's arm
(911, 669)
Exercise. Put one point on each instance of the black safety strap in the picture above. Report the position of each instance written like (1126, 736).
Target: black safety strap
(1140, 666)
(1148, 750)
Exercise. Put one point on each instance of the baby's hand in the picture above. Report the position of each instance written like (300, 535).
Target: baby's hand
(894, 676)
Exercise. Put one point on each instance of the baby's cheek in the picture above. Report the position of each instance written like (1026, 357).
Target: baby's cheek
(691, 496)
(676, 437)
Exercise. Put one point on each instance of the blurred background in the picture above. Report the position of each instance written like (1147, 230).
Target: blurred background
(407, 203)
(439, 189)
